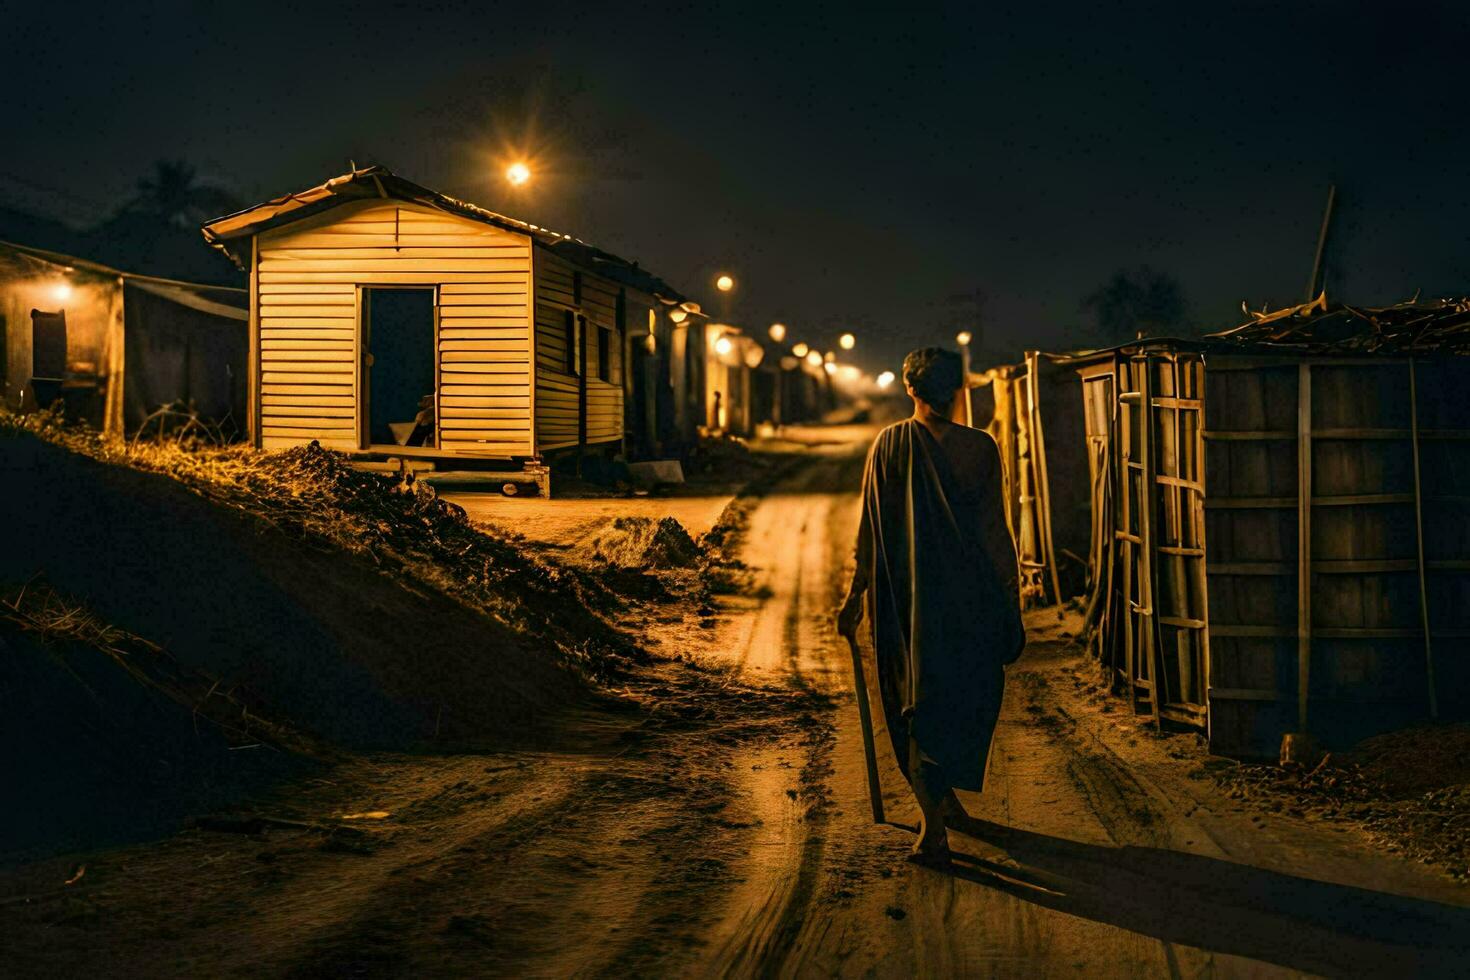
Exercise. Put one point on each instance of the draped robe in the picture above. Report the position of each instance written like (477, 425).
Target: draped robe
(942, 596)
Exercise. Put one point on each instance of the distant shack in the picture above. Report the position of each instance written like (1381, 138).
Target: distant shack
(388, 318)
(115, 347)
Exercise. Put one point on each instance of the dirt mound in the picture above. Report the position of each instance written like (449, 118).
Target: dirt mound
(1408, 790)
(1417, 760)
(360, 609)
(355, 609)
(643, 543)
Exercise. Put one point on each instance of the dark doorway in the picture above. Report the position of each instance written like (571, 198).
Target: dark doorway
(400, 344)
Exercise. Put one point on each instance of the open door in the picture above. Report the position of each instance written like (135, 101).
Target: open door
(400, 367)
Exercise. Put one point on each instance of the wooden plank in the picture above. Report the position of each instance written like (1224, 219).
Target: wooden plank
(270, 399)
(486, 412)
(1251, 630)
(1362, 566)
(1304, 542)
(455, 402)
(1250, 568)
(1268, 435)
(253, 389)
(317, 411)
(1419, 545)
(1244, 694)
(408, 251)
(309, 333)
(343, 390)
(465, 358)
(1250, 503)
(1361, 433)
(306, 294)
(297, 377)
(340, 319)
(318, 359)
(275, 268)
(506, 390)
(400, 277)
(1148, 580)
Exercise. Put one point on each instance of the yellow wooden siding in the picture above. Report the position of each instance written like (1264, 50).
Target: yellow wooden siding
(556, 389)
(309, 274)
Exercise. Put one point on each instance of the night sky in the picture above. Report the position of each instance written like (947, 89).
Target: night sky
(870, 171)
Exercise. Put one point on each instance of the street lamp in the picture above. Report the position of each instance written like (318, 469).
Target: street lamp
(799, 349)
(518, 173)
(814, 358)
(962, 338)
(778, 332)
(885, 379)
(847, 341)
(724, 283)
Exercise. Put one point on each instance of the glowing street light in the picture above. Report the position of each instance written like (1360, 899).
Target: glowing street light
(814, 358)
(850, 372)
(847, 341)
(830, 368)
(61, 292)
(778, 332)
(518, 173)
(799, 349)
(962, 338)
(723, 346)
(724, 283)
(830, 357)
(885, 379)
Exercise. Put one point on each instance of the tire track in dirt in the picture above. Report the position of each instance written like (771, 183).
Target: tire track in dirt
(787, 642)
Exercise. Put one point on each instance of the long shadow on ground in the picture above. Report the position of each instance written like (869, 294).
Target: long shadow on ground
(1299, 923)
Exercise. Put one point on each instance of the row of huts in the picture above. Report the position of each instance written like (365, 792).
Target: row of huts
(388, 320)
(1268, 525)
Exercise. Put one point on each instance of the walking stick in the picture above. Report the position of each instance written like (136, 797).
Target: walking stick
(875, 790)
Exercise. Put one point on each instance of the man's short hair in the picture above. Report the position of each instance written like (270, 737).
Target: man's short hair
(935, 374)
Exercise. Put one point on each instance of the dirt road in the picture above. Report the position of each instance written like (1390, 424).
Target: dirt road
(723, 830)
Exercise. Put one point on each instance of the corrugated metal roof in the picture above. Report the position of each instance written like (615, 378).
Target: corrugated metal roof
(61, 260)
(379, 182)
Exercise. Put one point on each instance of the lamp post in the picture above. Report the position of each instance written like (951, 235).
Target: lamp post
(963, 339)
(847, 341)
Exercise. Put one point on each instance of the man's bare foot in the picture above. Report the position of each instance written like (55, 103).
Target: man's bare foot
(932, 846)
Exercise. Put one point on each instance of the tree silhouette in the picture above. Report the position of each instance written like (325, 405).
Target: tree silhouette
(157, 230)
(1136, 302)
(173, 193)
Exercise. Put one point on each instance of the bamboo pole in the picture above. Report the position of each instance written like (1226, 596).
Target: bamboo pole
(1043, 484)
(1148, 574)
(1419, 531)
(1304, 542)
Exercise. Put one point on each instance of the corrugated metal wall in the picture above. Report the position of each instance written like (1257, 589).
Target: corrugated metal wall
(562, 289)
(308, 275)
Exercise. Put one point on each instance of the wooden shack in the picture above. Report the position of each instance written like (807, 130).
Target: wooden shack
(1033, 410)
(1281, 527)
(732, 357)
(115, 347)
(390, 319)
